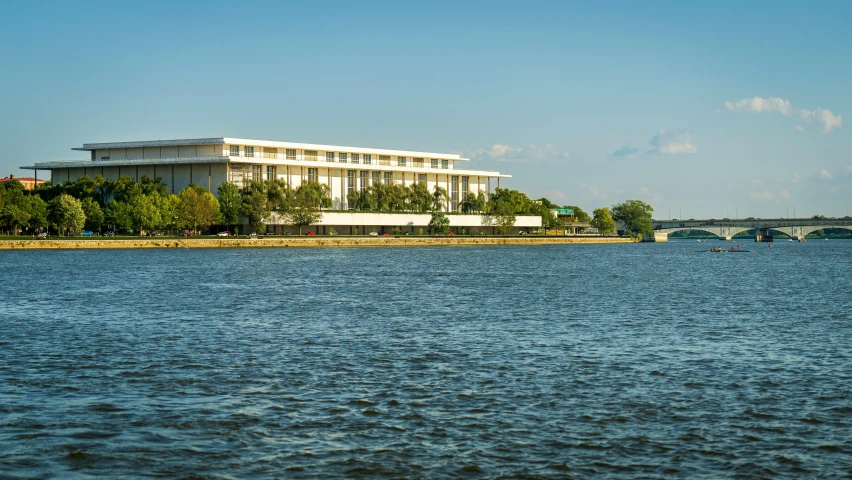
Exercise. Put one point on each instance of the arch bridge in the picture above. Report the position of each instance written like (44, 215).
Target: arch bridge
(725, 229)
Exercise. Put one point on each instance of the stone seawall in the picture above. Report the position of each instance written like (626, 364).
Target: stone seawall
(299, 242)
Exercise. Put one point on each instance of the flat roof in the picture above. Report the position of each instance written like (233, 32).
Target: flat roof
(241, 160)
(263, 143)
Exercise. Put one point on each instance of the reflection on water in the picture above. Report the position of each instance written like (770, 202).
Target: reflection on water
(553, 361)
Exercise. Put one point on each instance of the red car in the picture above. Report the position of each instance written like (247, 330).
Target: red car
(310, 234)
(451, 234)
(187, 234)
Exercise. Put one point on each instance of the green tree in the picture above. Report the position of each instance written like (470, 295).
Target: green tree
(636, 216)
(94, 213)
(14, 211)
(230, 203)
(540, 208)
(144, 212)
(38, 209)
(197, 208)
(255, 205)
(603, 221)
(419, 198)
(169, 207)
(117, 216)
(439, 223)
(308, 201)
(473, 203)
(15, 216)
(439, 198)
(503, 207)
(397, 198)
(67, 213)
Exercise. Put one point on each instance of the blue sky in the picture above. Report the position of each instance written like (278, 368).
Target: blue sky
(713, 110)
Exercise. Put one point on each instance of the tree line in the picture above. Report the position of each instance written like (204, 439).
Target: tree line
(121, 205)
(635, 214)
(125, 205)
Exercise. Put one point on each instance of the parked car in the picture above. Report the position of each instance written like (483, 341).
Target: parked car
(310, 234)
(109, 234)
(386, 234)
(224, 234)
(374, 234)
(451, 234)
(87, 233)
(252, 235)
(187, 234)
(408, 233)
(42, 235)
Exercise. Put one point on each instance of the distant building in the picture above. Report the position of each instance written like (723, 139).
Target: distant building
(29, 183)
(209, 162)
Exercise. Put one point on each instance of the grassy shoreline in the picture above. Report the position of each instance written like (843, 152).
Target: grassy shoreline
(266, 242)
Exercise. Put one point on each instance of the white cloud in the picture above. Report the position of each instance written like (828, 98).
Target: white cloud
(762, 195)
(629, 152)
(496, 152)
(671, 142)
(759, 104)
(796, 177)
(828, 119)
(767, 196)
(547, 151)
(825, 174)
(799, 128)
(849, 168)
(506, 153)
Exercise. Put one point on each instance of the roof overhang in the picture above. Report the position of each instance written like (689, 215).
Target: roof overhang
(122, 163)
(264, 143)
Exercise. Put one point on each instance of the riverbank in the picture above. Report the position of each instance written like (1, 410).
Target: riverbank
(366, 241)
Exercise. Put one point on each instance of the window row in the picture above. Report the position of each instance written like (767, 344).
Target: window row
(336, 157)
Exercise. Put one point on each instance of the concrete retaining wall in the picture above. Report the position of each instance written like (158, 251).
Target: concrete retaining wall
(300, 242)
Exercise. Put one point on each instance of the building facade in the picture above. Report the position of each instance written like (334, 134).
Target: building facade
(209, 162)
(29, 183)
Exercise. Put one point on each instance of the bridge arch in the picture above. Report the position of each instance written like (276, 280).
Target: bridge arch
(811, 229)
(720, 232)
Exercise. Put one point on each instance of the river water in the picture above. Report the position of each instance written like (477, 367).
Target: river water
(651, 360)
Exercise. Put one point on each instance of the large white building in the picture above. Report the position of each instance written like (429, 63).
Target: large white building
(209, 162)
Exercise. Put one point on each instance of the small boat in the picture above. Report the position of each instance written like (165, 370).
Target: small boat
(722, 250)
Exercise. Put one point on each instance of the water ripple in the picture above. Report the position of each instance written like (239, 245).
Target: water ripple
(644, 361)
